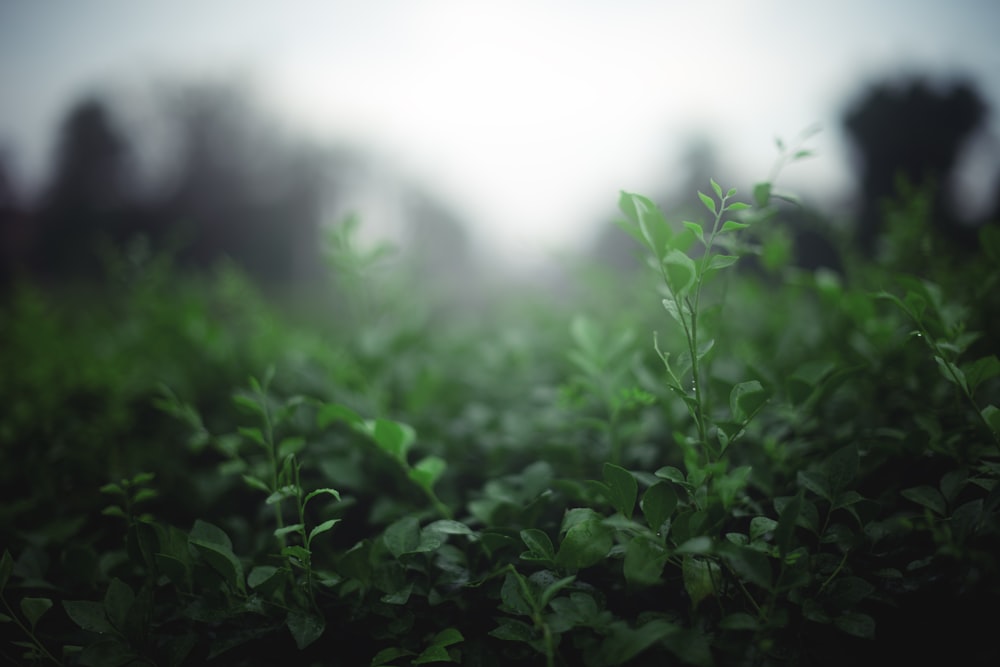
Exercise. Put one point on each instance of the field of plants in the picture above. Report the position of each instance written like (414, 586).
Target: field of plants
(720, 459)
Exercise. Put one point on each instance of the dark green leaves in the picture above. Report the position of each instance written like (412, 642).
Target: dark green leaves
(392, 437)
(621, 487)
(586, 539)
(216, 548)
(834, 476)
(645, 223)
(305, 626)
(746, 399)
(539, 545)
(658, 504)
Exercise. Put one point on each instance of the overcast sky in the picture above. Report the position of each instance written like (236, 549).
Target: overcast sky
(526, 116)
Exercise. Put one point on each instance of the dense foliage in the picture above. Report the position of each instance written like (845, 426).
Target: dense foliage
(797, 468)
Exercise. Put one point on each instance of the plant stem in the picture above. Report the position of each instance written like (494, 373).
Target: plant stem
(30, 634)
(272, 450)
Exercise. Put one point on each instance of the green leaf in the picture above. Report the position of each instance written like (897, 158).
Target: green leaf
(981, 370)
(697, 230)
(749, 564)
(672, 474)
(745, 399)
(388, 655)
(670, 305)
(952, 373)
(447, 637)
(551, 585)
(624, 643)
(141, 478)
(808, 376)
(450, 527)
(539, 545)
(847, 591)
(737, 206)
(34, 608)
(623, 488)
(511, 629)
(644, 561)
(145, 494)
(788, 517)
(215, 547)
(586, 543)
(512, 594)
(113, 490)
(433, 654)
(322, 528)
(653, 226)
(260, 575)
(118, 600)
(394, 438)
(332, 412)
(285, 530)
(739, 621)
(297, 554)
(255, 483)
(927, 496)
(707, 201)
(856, 624)
(717, 262)
(253, 434)
(701, 577)
(291, 445)
(716, 188)
(249, 404)
(991, 414)
(658, 504)
(427, 472)
(733, 226)
(762, 194)
(319, 492)
(114, 510)
(680, 271)
(650, 229)
(760, 526)
(289, 491)
(305, 626)
(816, 483)
(88, 615)
(841, 468)
(701, 544)
(403, 536)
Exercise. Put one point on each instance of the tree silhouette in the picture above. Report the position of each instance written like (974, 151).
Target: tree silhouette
(914, 132)
(87, 195)
(239, 188)
(12, 227)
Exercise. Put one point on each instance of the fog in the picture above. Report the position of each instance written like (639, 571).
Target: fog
(521, 120)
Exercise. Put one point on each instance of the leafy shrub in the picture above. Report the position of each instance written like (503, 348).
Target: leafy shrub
(793, 474)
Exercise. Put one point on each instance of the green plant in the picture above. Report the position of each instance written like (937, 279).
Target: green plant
(802, 469)
(32, 610)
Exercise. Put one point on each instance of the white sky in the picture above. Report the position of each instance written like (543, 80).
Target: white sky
(526, 116)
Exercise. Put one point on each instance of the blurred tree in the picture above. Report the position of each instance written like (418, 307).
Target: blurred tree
(915, 132)
(238, 188)
(13, 227)
(88, 194)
